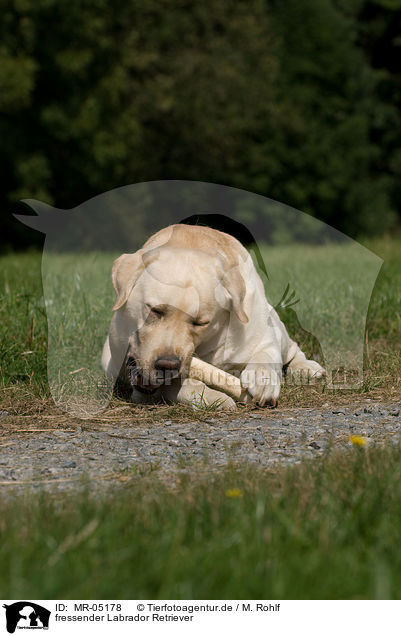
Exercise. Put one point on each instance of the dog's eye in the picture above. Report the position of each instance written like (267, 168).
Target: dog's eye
(200, 323)
(157, 312)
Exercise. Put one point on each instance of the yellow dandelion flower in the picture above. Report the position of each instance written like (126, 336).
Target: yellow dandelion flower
(234, 492)
(357, 440)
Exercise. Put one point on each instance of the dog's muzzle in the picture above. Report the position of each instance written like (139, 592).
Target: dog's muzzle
(167, 368)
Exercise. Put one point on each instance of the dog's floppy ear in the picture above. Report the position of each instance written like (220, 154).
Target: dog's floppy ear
(151, 256)
(235, 285)
(124, 274)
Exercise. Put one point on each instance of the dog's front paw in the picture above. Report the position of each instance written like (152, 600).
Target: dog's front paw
(303, 371)
(263, 383)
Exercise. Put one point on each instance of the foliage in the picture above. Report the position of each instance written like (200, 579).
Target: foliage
(287, 100)
(378, 27)
(326, 154)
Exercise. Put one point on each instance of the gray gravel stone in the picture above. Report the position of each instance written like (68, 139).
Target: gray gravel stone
(70, 464)
(68, 458)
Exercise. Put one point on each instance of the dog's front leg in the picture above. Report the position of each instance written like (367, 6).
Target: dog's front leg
(262, 376)
(302, 371)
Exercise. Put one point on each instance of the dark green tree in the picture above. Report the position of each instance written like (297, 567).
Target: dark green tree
(327, 155)
(377, 24)
(278, 98)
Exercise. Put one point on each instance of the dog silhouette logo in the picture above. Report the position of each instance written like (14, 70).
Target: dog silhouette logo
(319, 280)
(26, 615)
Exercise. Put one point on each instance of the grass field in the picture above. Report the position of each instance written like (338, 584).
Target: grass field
(79, 297)
(327, 529)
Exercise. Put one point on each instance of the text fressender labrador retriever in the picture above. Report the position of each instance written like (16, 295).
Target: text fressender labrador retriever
(192, 290)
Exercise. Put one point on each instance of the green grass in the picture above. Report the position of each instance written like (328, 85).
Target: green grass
(23, 326)
(324, 529)
(79, 297)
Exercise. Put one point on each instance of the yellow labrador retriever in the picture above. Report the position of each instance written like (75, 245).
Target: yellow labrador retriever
(188, 291)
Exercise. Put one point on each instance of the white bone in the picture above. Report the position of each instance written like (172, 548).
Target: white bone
(218, 379)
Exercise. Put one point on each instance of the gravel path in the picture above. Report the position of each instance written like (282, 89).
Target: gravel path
(71, 456)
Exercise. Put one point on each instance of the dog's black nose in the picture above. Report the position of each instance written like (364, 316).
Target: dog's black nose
(168, 363)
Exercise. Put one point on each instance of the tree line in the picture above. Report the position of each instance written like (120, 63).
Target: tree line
(298, 101)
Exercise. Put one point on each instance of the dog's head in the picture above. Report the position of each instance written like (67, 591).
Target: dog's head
(173, 299)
